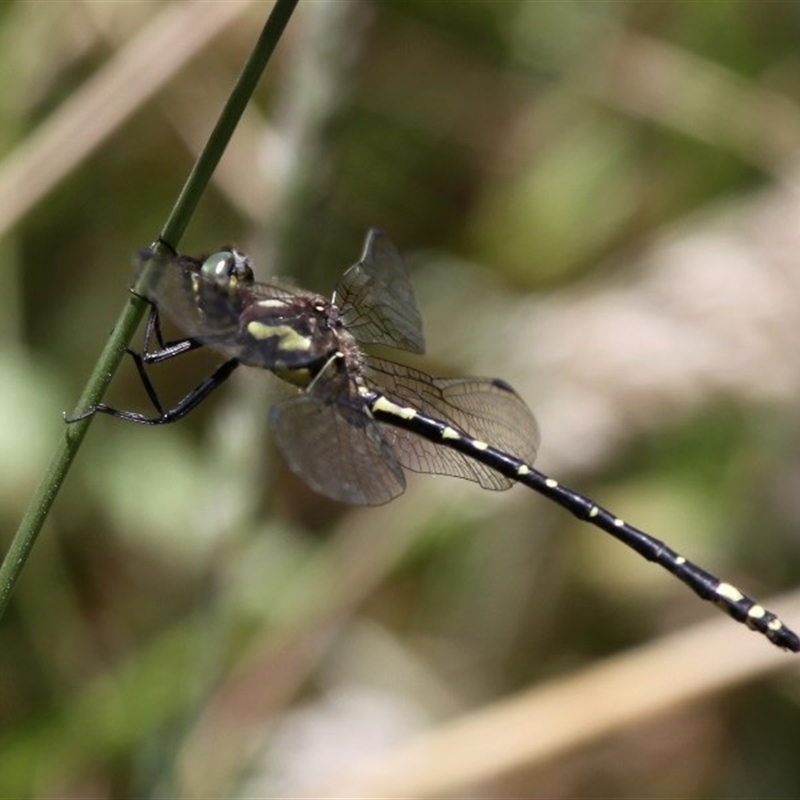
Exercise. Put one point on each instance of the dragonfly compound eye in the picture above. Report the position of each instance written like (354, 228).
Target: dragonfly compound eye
(219, 265)
(227, 265)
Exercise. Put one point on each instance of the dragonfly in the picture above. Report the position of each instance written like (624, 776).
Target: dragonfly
(357, 420)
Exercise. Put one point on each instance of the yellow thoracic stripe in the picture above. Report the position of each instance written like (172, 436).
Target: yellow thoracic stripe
(289, 338)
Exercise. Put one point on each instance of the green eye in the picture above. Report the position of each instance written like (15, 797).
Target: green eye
(219, 265)
(227, 267)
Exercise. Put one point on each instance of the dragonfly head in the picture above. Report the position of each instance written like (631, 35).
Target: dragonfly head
(228, 268)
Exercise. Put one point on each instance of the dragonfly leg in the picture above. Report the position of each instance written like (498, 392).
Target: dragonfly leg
(165, 350)
(165, 416)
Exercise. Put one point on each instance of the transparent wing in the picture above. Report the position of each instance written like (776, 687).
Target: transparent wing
(377, 300)
(337, 450)
(488, 410)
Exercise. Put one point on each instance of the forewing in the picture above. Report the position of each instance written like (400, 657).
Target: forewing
(486, 409)
(377, 300)
(337, 450)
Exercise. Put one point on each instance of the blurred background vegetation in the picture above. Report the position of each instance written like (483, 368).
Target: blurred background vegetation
(597, 201)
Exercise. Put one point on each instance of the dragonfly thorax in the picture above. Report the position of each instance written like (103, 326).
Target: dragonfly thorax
(293, 336)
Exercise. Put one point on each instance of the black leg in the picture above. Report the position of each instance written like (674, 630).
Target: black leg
(191, 401)
(165, 350)
(151, 355)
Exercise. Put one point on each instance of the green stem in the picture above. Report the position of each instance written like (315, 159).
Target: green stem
(45, 494)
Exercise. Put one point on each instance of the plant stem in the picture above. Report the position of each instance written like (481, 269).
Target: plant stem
(45, 494)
